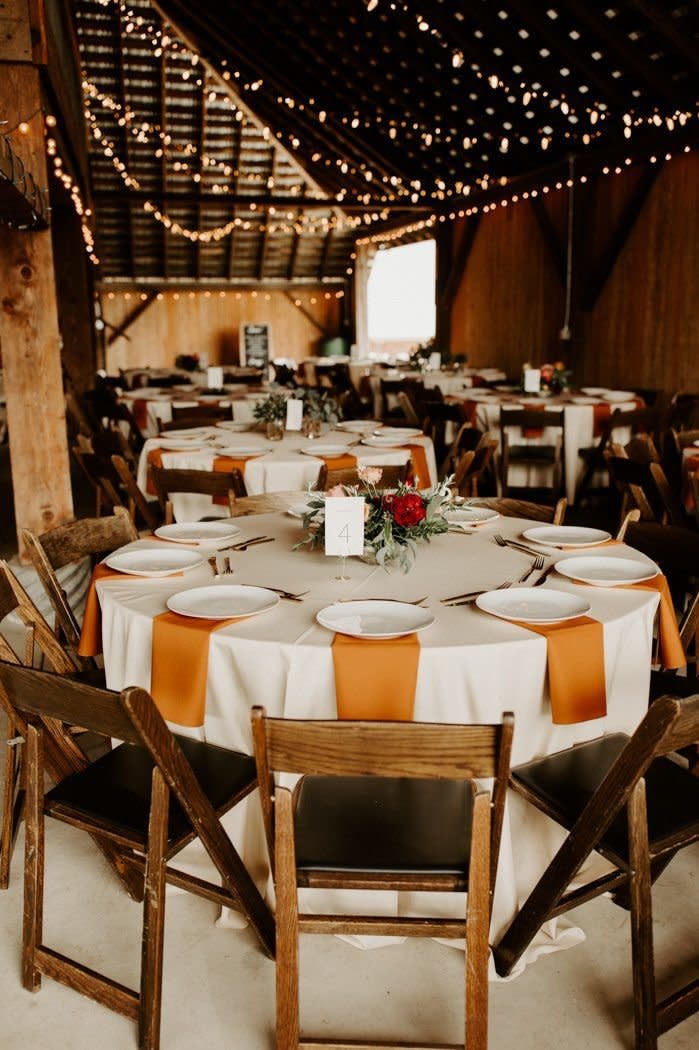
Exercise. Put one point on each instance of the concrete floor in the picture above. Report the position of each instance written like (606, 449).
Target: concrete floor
(219, 989)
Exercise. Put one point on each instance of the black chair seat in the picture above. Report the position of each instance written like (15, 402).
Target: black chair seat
(383, 824)
(116, 789)
(532, 454)
(566, 781)
(667, 683)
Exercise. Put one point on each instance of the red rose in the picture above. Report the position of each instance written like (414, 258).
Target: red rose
(408, 509)
(387, 501)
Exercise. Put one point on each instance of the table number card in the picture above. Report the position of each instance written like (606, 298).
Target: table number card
(214, 377)
(532, 380)
(344, 525)
(294, 413)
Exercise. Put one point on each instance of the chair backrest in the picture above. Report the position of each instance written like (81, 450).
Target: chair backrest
(137, 501)
(641, 448)
(676, 550)
(391, 476)
(519, 508)
(14, 598)
(70, 543)
(383, 749)
(267, 503)
(202, 482)
(472, 465)
(530, 418)
(101, 475)
(202, 413)
(636, 480)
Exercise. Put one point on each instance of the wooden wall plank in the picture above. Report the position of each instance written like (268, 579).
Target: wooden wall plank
(209, 323)
(15, 31)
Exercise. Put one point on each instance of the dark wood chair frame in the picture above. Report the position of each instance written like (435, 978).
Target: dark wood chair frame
(670, 725)
(528, 419)
(69, 543)
(384, 749)
(472, 466)
(229, 485)
(519, 508)
(150, 511)
(37, 697)
(391, 476)
(202, 414)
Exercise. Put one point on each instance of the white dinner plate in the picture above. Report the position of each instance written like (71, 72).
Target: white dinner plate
(189, 434)
(329, 451)
(181, 444)
(619, 395)
(297, 510)
(185, 404)
(210, 533)
(399, 433)
(594, 391)
(152, 561)
(586, 401)
(470, 517)
(358, 426)
(607, 572)
(241, 451)
(533, 604)
(236, 428)
(377, 441)
(566, 535)
(375, 619)
(222, 601)
(503, 388)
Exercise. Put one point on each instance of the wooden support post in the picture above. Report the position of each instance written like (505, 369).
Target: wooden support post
(29, 334)
(362, 269)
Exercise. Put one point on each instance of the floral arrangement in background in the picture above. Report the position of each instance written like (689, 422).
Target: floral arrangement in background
(319, 405)
(187, 362)
(420, 357)
(394, 520)
(555, 377)
(271, 410)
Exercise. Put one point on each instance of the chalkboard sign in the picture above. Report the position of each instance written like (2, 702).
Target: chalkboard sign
(254, 345)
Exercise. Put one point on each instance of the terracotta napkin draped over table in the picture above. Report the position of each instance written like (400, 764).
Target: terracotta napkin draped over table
(575, 662)
(376, 679)
(672, 654)
(180, 665)
(343, 461)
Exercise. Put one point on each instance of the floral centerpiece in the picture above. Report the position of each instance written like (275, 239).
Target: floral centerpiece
(272, 411)
(555, 377)
(187, 362)
(319, 405)
(420, 357)
(394, 520)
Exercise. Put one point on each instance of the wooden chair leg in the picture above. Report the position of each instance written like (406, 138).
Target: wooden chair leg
(150, 999)
(477, 925)
(11, 804)
(287, 969)
(641, 923)
(33, 860)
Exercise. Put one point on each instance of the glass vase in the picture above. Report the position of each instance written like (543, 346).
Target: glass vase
(311, 428)
(275, 430)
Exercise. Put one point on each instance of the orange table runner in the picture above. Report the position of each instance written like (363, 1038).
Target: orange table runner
(672, 654)
(91, 634)
(575, 662)
(375, 680)
(180, 664)
(421, 474)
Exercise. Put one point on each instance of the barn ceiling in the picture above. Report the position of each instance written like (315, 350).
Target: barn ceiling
(254, 141)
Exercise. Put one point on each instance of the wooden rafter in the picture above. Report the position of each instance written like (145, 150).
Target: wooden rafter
(657, 16)
(619, 236)
(132, 316)
(291, 265)
(262, 255)
(298, 305)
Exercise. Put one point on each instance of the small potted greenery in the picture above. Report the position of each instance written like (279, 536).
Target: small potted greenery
(319, 406)
(272, 412)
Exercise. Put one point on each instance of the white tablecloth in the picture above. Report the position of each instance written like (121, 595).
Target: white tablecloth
(159, 406)
(283, 468)
(472, 668)
(578, 432)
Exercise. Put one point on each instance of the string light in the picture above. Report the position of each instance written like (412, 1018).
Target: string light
(71, 187)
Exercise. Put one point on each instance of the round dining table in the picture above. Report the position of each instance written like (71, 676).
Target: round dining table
(152, 406)
(280, 466)
(472, 667)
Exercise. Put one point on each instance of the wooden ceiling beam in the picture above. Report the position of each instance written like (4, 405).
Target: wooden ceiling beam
(121, 67)
(291, 265)
(216, 284)
(261, 200)
(307, 314)
(661, 22)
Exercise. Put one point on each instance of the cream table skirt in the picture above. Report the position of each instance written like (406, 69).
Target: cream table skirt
(472, 668)
(283, 468)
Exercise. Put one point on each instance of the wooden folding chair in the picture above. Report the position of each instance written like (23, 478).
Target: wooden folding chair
(391, 476)
(519, 508)
(201, 414)
(472, 466)
(382, 805)
(69, 543)
(624, 798)
(149, 511)
(266, 503)
(219, 484)
(150, 796)
(527, 454)
(101, 477)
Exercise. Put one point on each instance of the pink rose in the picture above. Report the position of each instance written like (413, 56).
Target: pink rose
(336, 490)
(546, 373)
(370, 475)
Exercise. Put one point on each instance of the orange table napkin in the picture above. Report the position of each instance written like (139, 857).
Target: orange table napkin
(690, 465)
(421, 474)
(139, 408)
(602, 412)
(223, 465)
(180, 664)
(91, 633)
(375, 680)
(672, 654)
(575, 661)
(343, 461)
(532, 432)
